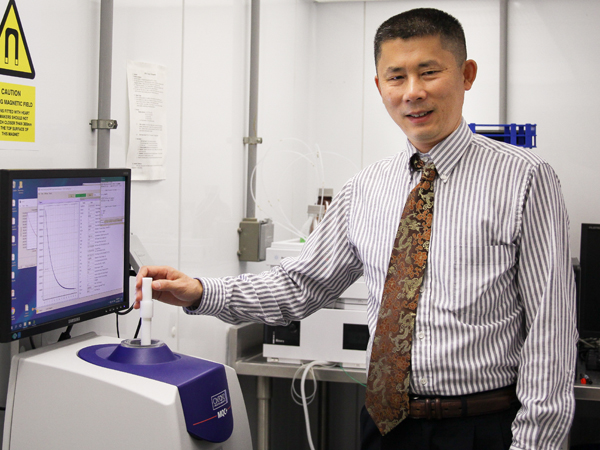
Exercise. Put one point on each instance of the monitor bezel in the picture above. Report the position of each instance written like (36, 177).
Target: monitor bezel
(6, 178)
(589, 281)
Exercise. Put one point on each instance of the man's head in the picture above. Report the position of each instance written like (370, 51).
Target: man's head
(422, 74)
(424, 22)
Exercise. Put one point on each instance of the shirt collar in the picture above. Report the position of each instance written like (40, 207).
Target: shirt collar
(447, 153)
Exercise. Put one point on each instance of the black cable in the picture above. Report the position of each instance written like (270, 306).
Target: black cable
(127, 311)
(2, 408)
(138, 328)
(136, 331)
(132, 273)
(122, 313)
(66, 334)
(31, 342)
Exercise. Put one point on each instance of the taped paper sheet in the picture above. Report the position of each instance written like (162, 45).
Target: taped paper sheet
(147, 119)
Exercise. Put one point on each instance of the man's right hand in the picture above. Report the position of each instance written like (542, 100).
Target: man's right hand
(169, 286)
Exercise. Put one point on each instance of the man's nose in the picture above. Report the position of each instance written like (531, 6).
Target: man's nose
(415, 90)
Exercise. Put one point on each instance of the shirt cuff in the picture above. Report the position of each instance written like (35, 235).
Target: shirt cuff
(213, 297)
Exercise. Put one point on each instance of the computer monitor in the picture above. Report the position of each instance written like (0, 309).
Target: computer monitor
(64, 247)
(589, 284)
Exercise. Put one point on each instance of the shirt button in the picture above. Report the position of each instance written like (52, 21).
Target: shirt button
(421, 335)
(423, 381)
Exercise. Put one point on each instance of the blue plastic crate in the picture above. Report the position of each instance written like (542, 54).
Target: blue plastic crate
(519, 135)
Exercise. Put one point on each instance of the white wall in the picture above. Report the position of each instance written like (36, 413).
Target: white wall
(287, 178)
(553, 60)
(215, 121)
(214, 108)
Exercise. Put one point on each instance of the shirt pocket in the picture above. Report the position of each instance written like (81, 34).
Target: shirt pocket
(482, 278)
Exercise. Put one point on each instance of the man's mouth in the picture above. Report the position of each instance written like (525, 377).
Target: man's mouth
(418, 115)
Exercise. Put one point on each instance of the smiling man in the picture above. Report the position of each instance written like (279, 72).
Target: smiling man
(495, 319)
(471, 304)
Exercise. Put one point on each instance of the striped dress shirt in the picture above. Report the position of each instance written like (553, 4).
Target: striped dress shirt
(498, 300)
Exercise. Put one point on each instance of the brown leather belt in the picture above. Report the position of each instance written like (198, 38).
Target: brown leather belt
(462, 406)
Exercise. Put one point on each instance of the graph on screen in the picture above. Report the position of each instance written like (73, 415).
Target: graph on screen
(75, 225)
(57, 252)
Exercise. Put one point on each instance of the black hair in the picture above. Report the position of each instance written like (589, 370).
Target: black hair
(423, 22)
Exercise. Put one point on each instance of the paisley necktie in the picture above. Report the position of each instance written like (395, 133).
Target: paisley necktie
(389, 369)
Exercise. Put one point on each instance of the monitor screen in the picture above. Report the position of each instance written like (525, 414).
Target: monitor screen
(589, 284)
(64, 247)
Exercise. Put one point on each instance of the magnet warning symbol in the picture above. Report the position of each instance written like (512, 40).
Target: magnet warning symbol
(15, 59)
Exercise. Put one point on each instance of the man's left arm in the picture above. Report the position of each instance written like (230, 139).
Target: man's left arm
(545, 383)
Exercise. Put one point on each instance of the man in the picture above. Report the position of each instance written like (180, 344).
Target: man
(495, 317)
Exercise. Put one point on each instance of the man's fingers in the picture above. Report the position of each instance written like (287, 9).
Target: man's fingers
(169, 286)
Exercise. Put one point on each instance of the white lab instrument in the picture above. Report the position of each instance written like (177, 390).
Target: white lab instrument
(339, 334)
(58, 400)
(334, 335)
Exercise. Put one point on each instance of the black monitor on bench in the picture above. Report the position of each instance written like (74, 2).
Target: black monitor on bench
(589, 284)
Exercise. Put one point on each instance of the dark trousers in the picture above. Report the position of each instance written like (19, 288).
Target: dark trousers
(485, 432)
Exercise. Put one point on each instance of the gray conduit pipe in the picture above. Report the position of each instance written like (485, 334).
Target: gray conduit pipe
(104, 82)
(252, 139)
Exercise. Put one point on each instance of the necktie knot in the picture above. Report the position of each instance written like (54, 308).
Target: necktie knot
(427, 167)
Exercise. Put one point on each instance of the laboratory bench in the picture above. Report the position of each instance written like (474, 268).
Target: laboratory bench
(245, 356)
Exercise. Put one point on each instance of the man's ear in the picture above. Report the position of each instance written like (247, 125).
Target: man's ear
(469, 73)
(377, 84)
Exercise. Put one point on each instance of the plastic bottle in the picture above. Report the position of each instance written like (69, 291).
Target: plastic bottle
(325, 198)
(315, 212)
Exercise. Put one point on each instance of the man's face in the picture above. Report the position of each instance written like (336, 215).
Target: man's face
(423, 88)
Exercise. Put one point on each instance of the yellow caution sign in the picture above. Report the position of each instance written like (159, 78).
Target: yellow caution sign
(15, 59)
(17, 113)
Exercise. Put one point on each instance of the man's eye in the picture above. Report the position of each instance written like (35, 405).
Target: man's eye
(430, 72)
